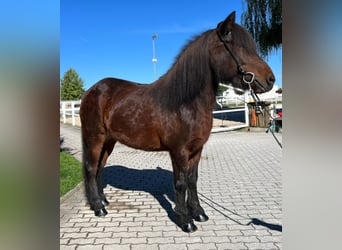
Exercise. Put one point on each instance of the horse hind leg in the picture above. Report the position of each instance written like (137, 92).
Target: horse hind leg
(106, 151)
(91, 164)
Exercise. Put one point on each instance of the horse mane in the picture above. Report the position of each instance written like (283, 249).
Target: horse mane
(191, 71)
(188, 76)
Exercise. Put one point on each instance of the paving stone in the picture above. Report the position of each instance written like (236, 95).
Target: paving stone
(117, 247)
(201, 246)
(67, 247)
(74, 235)
(188, 239)
(215, 239)
(134, 240)
(244, 239)
(161, 240)
(263, 246)
(232, 246)
(173, 247)
(89, 247)
(81, 241)
(107, 241)
(100, 235)
(145, 247)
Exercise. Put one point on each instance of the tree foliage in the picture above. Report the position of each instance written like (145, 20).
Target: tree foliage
(263, 19)
(71, 86)
(220, 90)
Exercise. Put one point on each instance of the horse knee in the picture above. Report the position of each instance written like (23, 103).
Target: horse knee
(180, 186)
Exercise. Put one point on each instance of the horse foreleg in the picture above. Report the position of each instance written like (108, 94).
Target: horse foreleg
(195, 208)
(180, 179)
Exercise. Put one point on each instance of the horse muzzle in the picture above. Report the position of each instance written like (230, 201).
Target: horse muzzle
(260, 86)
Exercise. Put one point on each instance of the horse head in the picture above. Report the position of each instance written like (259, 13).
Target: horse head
(234, 58)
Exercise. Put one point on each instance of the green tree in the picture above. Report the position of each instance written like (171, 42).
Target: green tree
(220, 90)
(263, 19)
(71, 86)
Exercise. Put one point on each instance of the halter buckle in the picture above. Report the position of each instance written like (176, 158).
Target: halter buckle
(251, 75)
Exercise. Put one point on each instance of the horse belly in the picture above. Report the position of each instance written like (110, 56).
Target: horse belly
(144, 140)
(136, 130)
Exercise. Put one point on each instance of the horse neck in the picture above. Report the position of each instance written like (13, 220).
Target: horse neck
(190, 78)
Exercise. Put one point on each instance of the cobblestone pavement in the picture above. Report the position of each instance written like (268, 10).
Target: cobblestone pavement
(239, 187)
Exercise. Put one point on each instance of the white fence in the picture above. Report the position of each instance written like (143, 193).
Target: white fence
(70, 108)
(239, 101)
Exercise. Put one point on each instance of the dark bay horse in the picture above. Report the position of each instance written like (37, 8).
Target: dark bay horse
(172, 114)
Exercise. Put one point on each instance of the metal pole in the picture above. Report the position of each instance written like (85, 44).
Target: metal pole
(154, 59)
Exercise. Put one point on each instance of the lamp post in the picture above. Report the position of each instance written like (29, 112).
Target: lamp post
(154, 59)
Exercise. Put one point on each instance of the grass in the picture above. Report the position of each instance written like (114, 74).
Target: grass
(70, 172)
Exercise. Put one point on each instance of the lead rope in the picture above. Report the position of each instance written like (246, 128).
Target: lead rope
(269, 129)
(251, 221)
(258, 107)
(216, 207)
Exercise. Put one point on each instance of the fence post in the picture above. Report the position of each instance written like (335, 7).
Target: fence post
(63, 112)
(73, 113)
(246, 109)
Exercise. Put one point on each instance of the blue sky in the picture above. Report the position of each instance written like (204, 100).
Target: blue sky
(114, 38)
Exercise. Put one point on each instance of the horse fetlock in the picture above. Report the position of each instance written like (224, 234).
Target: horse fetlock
(104, 202)
(101, 212)
(189, 227)
(201, 217)
(198, 213)
(186, 224)
(183, 216)
(96, 204)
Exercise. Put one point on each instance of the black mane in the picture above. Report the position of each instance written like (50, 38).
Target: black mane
(187, 77)
(191, 71)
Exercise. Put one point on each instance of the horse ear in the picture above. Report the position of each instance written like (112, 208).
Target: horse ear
(226, 26)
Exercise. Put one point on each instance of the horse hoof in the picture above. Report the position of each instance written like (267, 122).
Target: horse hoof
(201, 218)
(101, 212)
(105, 202)
(189, 227)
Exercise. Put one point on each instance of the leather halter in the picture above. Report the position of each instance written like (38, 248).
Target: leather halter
(245, 75)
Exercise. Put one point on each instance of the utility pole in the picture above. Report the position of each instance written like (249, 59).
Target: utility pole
(154, 58)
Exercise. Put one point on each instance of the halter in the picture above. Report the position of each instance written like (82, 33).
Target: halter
(245, 76)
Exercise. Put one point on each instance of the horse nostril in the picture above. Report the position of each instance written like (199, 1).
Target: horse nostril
(271, 79)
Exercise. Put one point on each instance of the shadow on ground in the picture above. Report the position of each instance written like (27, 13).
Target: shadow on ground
(159, 183)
